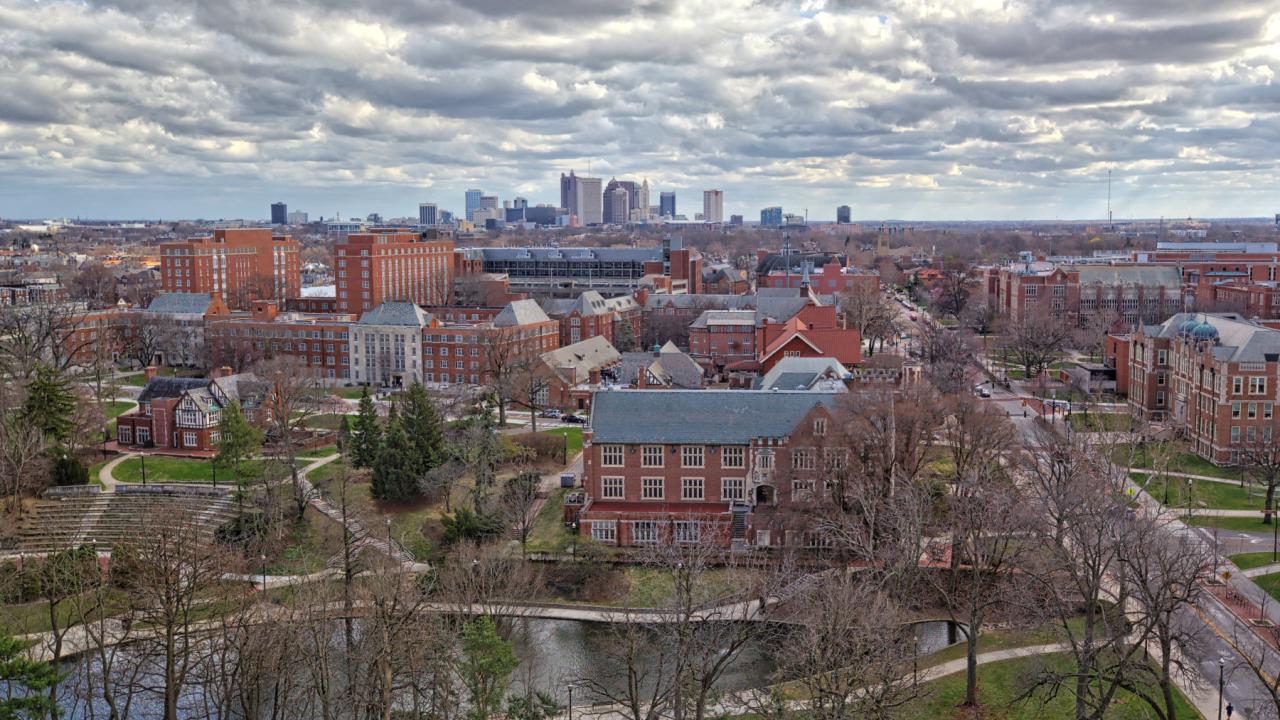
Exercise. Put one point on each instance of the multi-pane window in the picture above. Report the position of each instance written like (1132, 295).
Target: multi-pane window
(651, 456)
(611, 455)
(651, 488)
(611, 488)
(644, 532)
(691, 456)
(802, 459)
(686, 531)
(1235, 411)
(733, 489)
(691, 489)
(604, 531)
(1257, 386)
(836, 458)
(820, 426)
(733, 456)
(1237, 385)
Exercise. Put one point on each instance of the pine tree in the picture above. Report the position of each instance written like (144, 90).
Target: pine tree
(238, 440)
(27, 682)
(423, 425)
(344, 436)
(393, 476)
(367, 434)
(50, 404)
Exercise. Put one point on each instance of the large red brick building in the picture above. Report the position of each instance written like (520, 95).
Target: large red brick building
(240, 265)
(1137, 293)
(392, 265)
(1214, 376)
(319, 341)
(700, 466)
(183, 413)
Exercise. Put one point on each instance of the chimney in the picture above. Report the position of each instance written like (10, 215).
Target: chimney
(149, 373)
(593, 376)
(221, 372)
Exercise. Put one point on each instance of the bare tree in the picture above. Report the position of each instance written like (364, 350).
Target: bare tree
(955, 288)
(1259, 453)
(290, 399)
(44, 333)
(947, 356)
(976, 435)
(530, 382)
(517, 502)
(1091, 335)
(22, 452)
(1036, 338)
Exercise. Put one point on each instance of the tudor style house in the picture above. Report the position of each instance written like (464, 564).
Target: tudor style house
(702, 466)
(183, 413)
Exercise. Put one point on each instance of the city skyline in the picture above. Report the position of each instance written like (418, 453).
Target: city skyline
(999, 112)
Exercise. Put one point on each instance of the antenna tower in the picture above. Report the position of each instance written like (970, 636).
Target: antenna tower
(1110, 223)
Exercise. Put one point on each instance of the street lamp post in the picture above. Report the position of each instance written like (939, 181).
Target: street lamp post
(1275, 538)
(1222, 663)
(142, 456)
(1189, 486)
(264, 575)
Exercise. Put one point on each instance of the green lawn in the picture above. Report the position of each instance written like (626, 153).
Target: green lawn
(319, 452)
(548, 533)
(350, 393)
(1182, 461)
(115, 408)
(308, 547)
(1239, 524)
(1102, 422)
(325, 421)
(170, 469)
(33, 617)
(1270, 583)
(1246, 561)
(999, 684)
(1204, 493)
(574, 435)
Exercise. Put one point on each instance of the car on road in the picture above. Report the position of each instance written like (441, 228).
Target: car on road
(550, 413)
(571, 418)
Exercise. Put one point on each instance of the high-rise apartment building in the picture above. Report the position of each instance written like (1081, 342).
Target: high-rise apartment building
(713, 206)
(374, 267)
(428, 214)
(279, 213)
(297, 217)
(667, 204)
(844, 215)
(473, 201)
(241, 265)
(771, 217)
(640, 203)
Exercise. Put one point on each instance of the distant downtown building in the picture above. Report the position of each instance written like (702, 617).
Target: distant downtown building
(771, 217)
(713, 206)
(667, 206)
(844, 215)
(279, 213)
(583, 196)
(428, 214)
(473, 201)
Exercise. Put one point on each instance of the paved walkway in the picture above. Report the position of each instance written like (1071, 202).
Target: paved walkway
(105, 473)
(1263, 570)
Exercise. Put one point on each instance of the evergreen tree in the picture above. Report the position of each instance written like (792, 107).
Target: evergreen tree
(423, 425)
(393, 476)
(27, 682)
(344, 436)
(366, 436)
(68, 470)
(50, 404)
(486, 664)
(238, 440)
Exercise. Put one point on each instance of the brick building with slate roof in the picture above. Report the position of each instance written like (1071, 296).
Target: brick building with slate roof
(183, 413)
(701, 466)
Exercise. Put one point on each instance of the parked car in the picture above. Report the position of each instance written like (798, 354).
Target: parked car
(571, 418)
(549, 413)
(983, 392)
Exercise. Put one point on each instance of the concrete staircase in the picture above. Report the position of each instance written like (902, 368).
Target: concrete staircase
(104, 519)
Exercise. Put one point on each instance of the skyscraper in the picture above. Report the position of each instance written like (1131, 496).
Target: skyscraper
(616, 200)
(771, 217)
(427, 214)
(641, 202)
(713, 206)
(843, 215)
(279, 213)
(473, 201)
(667, 204)
(583, 197)
(633, 192)
(520, 203)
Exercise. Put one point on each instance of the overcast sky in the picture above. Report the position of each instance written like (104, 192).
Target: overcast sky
(920, 109)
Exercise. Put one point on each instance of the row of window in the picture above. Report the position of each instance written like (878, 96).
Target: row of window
(646, 531)
(691, 488)
(691, 456)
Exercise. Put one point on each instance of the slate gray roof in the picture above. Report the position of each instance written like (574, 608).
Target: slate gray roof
(162, 387)
(520, 312)
(777, 304)
(583, 357)
(670, 365)
(396, 313)
(1167, 276)
(796, 373)
(180, 303)
(713, 417)
(246, 389)
(571, 253)
(588, 303)
(1239, 340)
(725, 317)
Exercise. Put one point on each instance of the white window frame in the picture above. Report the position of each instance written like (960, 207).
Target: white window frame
(733, 489)
(190, 439)
(650, 453)
(605, 531)
(611, 455)
(691, 454)
(644, 532)
(693, 488)
(612, 487)
(653, 488)
(686, 532)
(733, 456)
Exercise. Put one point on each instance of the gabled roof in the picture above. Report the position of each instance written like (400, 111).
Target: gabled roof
(520, 312)
(715, 417)
(396, 312)
(725, 317)
(581, 358)
(164, 387)
(1167, 276)
(1239, 340)
(798, 373)
(180, 303)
